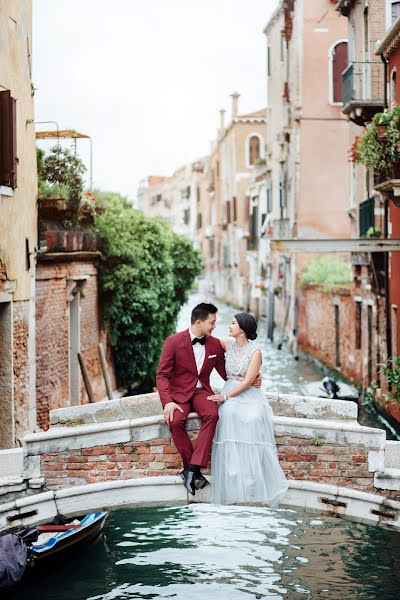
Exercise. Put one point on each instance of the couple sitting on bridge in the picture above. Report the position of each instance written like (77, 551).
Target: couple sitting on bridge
(245, 464)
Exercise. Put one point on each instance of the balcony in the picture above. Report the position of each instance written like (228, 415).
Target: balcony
(389, 181)
(363, 91)
(65, 226)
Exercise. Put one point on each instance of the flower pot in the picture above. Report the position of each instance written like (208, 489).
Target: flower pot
(380, 132)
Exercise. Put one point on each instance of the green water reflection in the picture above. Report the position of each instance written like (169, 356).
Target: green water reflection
(234, 553)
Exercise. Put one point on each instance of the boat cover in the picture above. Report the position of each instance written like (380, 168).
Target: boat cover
(13, 558)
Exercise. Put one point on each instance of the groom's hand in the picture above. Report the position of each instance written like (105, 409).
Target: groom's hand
(169, 410)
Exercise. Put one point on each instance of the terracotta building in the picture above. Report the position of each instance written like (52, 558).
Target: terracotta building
(18, 224)
(364, 95)
(155, 196)
(239, 149)
(307, 181)
(174, 198)
(389, 49)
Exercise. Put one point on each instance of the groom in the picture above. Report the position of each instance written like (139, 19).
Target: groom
(183, 382)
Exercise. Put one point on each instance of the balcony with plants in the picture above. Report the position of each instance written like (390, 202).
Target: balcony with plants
(65, 212)
(378, 148)
(363, 91)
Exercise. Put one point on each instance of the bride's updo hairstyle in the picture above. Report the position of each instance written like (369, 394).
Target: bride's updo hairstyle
(248, 324)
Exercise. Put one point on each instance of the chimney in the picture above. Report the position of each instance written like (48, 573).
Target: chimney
(222, 119)
(235, 97)
(221, 122)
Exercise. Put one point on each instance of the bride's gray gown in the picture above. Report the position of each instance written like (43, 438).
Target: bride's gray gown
(245, 464)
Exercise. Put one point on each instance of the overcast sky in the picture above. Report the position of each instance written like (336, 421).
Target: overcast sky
(145, 79)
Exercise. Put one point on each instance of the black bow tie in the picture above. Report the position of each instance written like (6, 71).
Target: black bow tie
(201, 340)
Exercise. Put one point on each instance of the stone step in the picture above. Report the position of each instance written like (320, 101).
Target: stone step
(392, 454)
(388, 479)
(11, 462)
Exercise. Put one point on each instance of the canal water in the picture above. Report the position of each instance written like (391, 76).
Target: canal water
(230, 553)
(206, 553)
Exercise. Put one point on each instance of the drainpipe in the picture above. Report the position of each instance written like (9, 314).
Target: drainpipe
(386, 234)
(387, 290)
(385, 77)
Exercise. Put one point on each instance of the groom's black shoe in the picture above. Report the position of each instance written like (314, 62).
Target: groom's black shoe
(189, 478)
(201, 482)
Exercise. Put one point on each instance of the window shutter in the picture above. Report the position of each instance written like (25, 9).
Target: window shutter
(339, 64)
(8, 140)
(254, 149)
(228, 212)
(395, 11)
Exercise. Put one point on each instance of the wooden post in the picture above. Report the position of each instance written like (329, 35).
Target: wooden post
(284, 324)
(106, 375)
(86, 378)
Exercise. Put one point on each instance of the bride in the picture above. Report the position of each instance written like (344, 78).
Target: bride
(244, 462)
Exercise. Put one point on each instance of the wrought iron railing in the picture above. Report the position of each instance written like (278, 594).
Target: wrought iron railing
(364, 81)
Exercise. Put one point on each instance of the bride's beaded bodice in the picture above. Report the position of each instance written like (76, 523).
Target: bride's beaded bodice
(237, 359)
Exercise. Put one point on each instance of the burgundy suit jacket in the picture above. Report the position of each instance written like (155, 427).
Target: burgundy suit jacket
(177, 374)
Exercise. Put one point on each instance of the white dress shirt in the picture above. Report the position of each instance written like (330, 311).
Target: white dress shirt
(199, 351)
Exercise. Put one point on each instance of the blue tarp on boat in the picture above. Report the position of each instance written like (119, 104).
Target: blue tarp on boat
(13, 558)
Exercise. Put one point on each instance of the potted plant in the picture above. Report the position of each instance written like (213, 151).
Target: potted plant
(381, 121)
(379, 145)
(374, 232)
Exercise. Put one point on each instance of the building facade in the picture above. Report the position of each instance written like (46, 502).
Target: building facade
(365, 93)
(18, 225)
(389, 50)
(307, 171)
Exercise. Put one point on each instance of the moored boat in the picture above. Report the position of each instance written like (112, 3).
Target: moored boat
(30, 549)
(51, 545)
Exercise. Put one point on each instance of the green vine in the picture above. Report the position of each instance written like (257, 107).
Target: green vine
(145, 274)
(391, 371)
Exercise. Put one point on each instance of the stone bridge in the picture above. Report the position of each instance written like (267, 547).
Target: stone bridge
(119, 453)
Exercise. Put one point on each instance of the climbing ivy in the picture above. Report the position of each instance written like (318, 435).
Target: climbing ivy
(145, 274)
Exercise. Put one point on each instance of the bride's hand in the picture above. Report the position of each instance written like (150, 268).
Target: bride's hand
(217, 398)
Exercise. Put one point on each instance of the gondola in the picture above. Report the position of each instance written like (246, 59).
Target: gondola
(27, 550)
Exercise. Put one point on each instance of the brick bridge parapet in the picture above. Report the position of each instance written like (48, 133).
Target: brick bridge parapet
(114, 443)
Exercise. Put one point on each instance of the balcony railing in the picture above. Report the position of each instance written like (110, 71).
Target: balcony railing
(388, 179)
(363, 90)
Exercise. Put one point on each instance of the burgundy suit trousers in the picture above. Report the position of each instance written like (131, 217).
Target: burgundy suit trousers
(208, 413)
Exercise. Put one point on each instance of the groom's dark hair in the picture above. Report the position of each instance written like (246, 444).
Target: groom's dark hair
(202, 310)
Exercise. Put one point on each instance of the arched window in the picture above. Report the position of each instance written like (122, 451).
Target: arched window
(254, 150)
(339, 62)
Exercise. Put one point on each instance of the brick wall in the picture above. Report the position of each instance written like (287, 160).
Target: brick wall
(317, 331)
(52, 316)
(300, 459)
(21, 367)
(3, 274)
